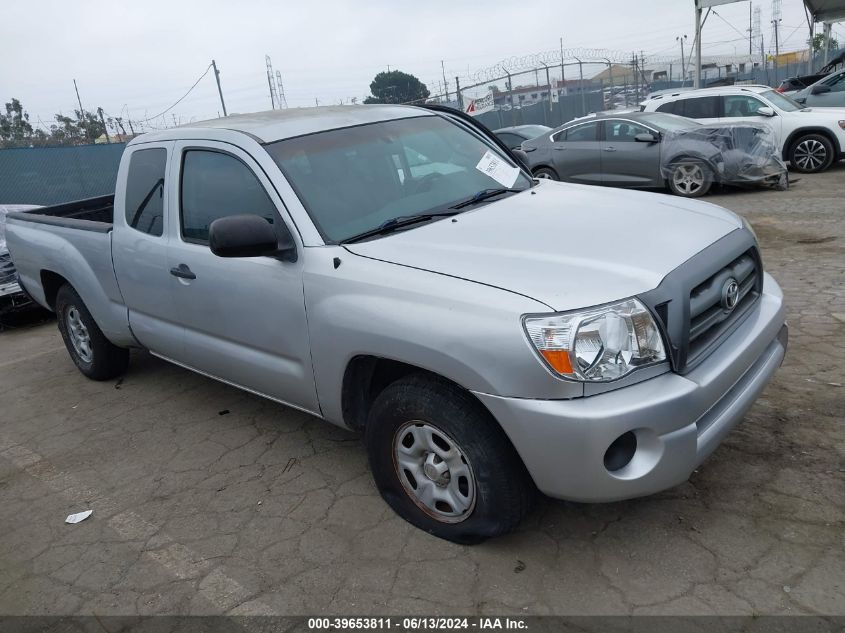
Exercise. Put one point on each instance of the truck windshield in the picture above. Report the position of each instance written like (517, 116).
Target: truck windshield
(355, 179)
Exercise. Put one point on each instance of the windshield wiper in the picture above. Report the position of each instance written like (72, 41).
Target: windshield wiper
(393, 224)
(484, 194)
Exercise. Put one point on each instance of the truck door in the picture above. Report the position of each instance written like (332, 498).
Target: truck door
(244, 318)
(140, 244)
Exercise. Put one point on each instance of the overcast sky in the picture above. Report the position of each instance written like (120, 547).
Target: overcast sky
(138, 58)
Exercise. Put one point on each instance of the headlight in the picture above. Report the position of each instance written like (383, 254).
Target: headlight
(599, 344)
(842, 124)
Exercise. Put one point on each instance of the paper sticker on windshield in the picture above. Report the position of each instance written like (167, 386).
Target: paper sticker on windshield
(498, 169)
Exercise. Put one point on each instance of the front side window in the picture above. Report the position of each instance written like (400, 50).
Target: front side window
(741, 106)
(836, 83)
(623, 131)
(354, 179)
(145, 191)
(216, 185)
(700, 108)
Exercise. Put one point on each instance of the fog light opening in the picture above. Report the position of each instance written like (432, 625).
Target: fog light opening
(620, 453)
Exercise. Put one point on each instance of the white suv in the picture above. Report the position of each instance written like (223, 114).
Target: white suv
(810, 139)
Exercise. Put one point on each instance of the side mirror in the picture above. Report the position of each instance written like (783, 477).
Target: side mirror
(820, 89)
(522, 157)
(645, 137)
(765, 111)
(245, 236)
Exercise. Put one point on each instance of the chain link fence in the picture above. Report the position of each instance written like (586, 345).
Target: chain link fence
(51, 175)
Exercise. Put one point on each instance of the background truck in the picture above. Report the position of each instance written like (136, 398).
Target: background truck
(394, 270)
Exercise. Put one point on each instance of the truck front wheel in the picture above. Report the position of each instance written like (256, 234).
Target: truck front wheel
(91, 351)
(443, 464)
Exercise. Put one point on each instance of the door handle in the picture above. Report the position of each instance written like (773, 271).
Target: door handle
(610, 149)
(558, 149)
(183, 272)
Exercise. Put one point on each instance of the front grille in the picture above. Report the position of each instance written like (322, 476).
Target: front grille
(7, 269)
(688, 302)
(709, 318)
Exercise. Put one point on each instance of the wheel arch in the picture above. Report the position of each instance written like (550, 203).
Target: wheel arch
(804, 131)
(366, 376)
(50, 283)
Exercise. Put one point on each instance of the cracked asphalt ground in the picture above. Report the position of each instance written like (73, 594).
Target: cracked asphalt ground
(210, 500)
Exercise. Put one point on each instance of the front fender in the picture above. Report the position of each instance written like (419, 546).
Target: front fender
(464, 331)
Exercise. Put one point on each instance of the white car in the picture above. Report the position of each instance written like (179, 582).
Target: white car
(810, 139)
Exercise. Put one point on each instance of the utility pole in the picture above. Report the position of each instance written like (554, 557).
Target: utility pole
(750, 26)
(698, 25)
(129, 121)
(777, 42)
(682, 39)
(458, 93)
(445, 83)
(81, 111)
(562, 75)
(103, 121)
(219, 89)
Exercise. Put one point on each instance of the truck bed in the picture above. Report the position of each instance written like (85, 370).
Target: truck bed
(92, 214)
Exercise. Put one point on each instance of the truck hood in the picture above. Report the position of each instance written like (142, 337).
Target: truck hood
(568, 246)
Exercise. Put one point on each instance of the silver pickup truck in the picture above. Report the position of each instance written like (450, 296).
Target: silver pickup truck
(396, 270)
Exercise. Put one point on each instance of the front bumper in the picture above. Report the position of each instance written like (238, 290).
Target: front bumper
(677, 420)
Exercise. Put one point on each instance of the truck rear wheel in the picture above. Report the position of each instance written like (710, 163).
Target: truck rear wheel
(91, 351)
(443, 464)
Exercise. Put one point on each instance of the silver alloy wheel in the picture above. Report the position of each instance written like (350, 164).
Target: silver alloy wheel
(544, 175)
(434, 471)
(810, 154)
(78, 333)
(688, 178)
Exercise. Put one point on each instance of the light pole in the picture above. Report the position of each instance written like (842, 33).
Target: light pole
(682, 39)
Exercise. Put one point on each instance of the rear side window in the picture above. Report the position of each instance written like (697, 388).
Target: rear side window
(669, 108)
(586, 132)
(699, 108)
(145, 191)
(217, 185)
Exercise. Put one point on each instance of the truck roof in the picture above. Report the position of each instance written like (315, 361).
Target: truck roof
(275, 125)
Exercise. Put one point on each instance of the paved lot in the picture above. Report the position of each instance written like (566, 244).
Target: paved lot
(210, 500)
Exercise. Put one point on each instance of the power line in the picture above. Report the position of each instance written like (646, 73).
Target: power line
(180, 98)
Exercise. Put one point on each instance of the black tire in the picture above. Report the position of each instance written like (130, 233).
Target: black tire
(546, 173)
(811, 153)
(104, 360)
(503, 490)
(693, 189)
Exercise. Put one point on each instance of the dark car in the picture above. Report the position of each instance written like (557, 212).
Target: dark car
(794, 84)
(11, 295)
(657, 150)
(514, 136)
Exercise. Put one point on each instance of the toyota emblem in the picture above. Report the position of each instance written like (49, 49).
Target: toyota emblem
(730, 294)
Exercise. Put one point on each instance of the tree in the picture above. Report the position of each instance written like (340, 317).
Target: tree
(819, 42)
(396, 87)
(15, 128)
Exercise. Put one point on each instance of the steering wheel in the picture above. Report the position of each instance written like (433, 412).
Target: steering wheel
(424, 183)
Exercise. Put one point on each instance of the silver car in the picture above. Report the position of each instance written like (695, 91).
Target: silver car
(828, 92)
(394, 271)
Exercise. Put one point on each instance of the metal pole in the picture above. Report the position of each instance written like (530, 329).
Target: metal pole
(826, 31)
(549, 86)
(510, 94)
(219, 89)
(697, 77)
(445, 84)
(458, 93)
(581, 86)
